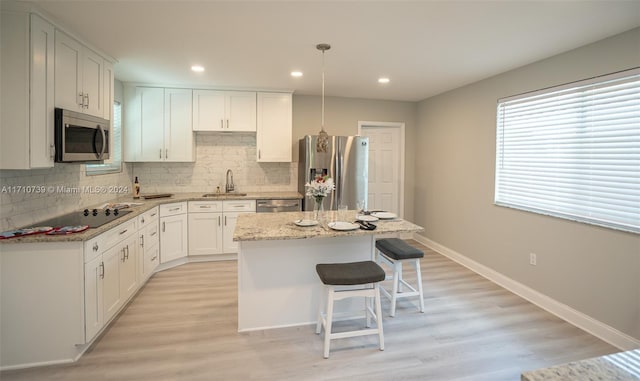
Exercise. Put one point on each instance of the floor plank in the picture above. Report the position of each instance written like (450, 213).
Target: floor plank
(183, 326)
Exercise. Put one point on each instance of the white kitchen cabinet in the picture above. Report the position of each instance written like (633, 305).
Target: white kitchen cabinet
(231, 210)
(158, 125)
(205, 227)
(128, 268)
(173, 231)
(108, 92)
(79, 77)
(274, 127)
(224, 111)
(93, 291)
(27, 92)
(149, 241)
(111, 282)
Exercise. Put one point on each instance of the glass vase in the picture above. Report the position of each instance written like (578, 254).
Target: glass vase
(318, 209)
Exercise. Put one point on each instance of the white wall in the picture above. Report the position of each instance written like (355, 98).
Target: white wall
(591, 269)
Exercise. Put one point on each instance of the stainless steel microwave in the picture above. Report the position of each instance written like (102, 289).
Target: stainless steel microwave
(80, 137)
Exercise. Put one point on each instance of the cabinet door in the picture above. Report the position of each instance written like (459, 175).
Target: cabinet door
(205, 233)
(274, 131)
(108, 91)
(111, 281)
(128, 278)
(151, 123)
(208, 110)
(92, 83)
(241, 111)
(173, 237)
(178, 129)
(229, 225)
(41, 93)
(93, 303)
(151, 260)
(68, 73)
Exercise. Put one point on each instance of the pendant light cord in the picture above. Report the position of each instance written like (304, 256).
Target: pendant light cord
(322, 90)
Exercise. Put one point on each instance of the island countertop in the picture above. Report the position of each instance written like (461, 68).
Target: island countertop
(281, 226)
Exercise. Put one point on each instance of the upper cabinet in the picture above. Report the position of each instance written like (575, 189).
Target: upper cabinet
(79, 77)
(27, 93)
(274, 132)
(224, 111)
(158, 124)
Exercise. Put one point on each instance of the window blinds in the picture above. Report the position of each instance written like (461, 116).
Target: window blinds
(573, 151)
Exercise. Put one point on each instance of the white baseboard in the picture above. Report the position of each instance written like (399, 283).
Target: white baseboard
(564, 312)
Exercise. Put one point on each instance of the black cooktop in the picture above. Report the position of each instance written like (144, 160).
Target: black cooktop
(93, 218)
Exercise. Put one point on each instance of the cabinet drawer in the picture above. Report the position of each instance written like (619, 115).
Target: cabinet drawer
(173, 209)
(239, 206)
(105, 241)
(147, 217)
(151, 235)
(205, 206)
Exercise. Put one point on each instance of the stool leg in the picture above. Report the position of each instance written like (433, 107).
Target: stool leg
(323, 291)
(399, 264)
(329, 319)
(394, 291)
(419, 278)
(367, 313)
(379, 317)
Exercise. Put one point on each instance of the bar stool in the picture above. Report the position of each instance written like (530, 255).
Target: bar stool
(394, 252)
(335, 275)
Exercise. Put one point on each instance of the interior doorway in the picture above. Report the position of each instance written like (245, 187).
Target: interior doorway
(386, 165)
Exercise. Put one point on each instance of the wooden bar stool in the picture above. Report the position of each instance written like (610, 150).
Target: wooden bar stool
(394, 252)
(337, 275)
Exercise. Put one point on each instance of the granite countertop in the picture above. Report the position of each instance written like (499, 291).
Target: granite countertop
(280, 226)
(623, 366)
(139, 209)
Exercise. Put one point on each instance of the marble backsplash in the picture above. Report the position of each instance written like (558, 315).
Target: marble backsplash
(215, 154)
(29, 196)
(66, 187)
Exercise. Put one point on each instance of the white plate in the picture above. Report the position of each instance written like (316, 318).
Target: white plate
(364, 217)
(340, 225)
(384, 215)
(305, 222)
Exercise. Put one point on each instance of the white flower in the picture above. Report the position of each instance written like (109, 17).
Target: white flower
(320, 187)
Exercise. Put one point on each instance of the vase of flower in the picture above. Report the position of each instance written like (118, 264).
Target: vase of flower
(318, 208)
(318, 189)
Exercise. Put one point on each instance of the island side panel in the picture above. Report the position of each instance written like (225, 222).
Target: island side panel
(277, 281)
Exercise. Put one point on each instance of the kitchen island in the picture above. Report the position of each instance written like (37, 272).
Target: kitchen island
(277, 281)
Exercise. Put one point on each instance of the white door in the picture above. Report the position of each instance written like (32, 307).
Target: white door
(93, 272)
(208, 110)
(111, 281)
(178, 130)
(173, 237)
(128, 278)
(68, 73)
(205, 233)
(151, 123)
(385, 166)
(92, 83)
(241, 111)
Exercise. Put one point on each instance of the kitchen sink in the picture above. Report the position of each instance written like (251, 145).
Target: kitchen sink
(223, 194)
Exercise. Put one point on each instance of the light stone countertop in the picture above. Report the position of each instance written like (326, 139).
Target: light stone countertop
(137, 210)
(280, 226)
(623, 366)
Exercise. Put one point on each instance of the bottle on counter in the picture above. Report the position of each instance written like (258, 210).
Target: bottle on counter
(136, 188)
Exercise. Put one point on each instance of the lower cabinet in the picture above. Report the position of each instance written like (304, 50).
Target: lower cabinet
(173, 231)
(149, 241)
(211, 225)
(231, 210)
(110, 275)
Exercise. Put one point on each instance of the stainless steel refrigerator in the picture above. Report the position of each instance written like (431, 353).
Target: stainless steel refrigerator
(346, 161)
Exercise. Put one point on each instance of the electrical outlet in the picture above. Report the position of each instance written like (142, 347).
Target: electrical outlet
(533, 259)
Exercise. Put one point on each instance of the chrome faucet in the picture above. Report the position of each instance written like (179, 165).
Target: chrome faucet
(229, 187)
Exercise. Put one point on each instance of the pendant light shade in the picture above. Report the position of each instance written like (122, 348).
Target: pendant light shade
(322, 144)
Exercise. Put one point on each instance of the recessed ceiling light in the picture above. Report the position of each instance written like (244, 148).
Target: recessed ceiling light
(296, 74)
(197, 68)
(383, 80)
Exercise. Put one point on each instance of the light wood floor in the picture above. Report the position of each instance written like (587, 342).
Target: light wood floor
(182, 326)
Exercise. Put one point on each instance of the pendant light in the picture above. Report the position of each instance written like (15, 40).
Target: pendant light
(322, 144)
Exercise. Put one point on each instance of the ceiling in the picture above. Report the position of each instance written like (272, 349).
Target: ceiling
(424, 47)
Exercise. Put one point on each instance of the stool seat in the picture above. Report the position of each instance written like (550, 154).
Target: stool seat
(398, 249)
(348, 274)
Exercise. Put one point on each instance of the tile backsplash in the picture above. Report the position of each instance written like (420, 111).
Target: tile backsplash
(215, 154)
(66, 187)
(29, 196)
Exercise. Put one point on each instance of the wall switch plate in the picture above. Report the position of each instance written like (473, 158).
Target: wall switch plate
(533, 259)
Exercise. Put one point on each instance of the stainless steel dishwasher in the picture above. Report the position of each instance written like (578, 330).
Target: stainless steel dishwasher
(279, 205)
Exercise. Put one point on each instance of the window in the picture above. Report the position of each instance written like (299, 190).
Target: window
(573, 151)
(114, 164)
